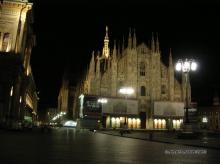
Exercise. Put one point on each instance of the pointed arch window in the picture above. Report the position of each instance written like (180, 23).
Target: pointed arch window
(142, 69)
(163, 89)
(6, 42)
(143, 91)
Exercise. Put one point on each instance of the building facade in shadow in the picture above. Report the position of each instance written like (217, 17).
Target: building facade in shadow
(18, 96)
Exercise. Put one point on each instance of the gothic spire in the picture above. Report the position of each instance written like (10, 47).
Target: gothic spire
(108, 64)
(129, 39)
(123, 44)
(152, 43)
(134, 40)
(118, 49)
(92, 65)
(105, 52)
(170, 59)
(106, 33)
(114, 51)
(98, 66)
(157, 45)
(92, 60)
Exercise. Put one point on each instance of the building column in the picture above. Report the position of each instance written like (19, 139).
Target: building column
(1, 40)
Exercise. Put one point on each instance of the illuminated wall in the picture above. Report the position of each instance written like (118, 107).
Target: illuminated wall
(13, 25)
(120, 106)
(166, 108)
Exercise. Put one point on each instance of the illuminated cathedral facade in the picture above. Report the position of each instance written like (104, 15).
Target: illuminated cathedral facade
(157, 101)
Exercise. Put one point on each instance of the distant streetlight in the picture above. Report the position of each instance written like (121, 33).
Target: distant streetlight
(10, 102)
(185, 67)
(11, 92)
(126, 91)
(20, 100)
(19, 108)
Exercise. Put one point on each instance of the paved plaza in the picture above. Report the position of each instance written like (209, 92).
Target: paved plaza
(63, 146)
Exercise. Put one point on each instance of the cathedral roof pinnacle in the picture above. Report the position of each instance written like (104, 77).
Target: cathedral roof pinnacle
(152, 43)
(114, 44)
(134, 39)
(106, 32)
(129, 39)
(129, 32)
(157, 44)
(170, 58)
(105, 53)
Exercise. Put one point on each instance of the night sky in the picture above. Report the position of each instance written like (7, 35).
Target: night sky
(67, 32)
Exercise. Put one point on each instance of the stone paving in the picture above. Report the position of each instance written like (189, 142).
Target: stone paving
(72, 146)
(207, 141)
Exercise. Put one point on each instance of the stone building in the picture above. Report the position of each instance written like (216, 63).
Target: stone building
(18, 96)
(66, 97)
(209, 116)
(157, 101)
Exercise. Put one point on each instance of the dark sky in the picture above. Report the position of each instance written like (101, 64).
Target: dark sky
(68, 31)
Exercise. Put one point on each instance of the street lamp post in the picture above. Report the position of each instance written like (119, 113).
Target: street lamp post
(19, 109)
(126, 91)
(185, 67)
(9, 108)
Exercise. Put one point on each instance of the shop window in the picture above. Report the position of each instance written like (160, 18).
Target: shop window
(163, 123)
(159, 123)
(117, 122)
(155, 123)
(143, 91)
(113, 122)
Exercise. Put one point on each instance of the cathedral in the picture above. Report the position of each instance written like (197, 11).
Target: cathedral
(158, 98)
